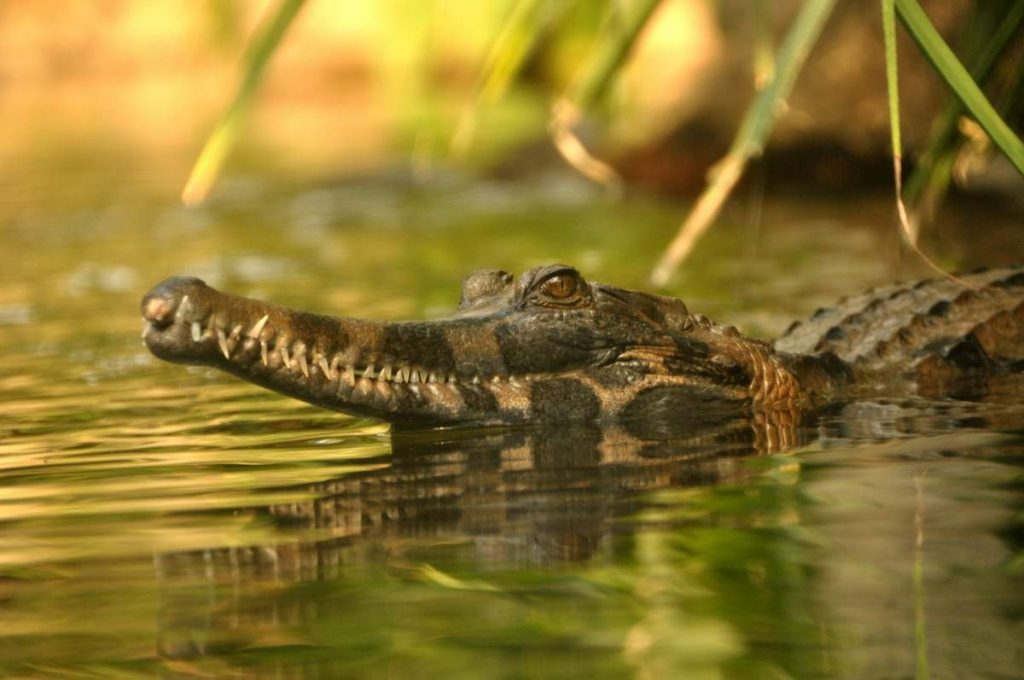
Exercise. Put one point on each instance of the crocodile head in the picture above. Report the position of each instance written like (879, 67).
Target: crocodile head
(545, 346)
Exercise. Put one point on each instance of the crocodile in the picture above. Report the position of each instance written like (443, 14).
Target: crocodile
(550, 346)
(542, 496)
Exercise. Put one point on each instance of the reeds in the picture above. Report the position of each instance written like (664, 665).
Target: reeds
(992, 31)
(222, 139)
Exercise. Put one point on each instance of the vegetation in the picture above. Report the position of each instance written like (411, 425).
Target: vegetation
(988, 62)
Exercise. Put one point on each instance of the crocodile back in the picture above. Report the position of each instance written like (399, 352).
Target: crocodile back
(937, 327)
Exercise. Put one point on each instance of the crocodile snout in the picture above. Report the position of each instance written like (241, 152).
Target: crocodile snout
(169, 310)
(161, 303)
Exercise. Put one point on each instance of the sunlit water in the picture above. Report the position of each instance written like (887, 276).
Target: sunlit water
(162, 520)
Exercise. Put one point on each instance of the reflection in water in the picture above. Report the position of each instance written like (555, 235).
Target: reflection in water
(518, 496)
(660, 512)
(497, 499)
(159, 521)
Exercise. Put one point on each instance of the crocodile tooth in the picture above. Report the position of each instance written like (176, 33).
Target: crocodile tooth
(222, 340)
(415, 376)
(325, 367)
(236, 332)
(401, 375)
(303, 366)
(368, 372)
(432, 377)
(496, 379)
(385, 372)
(283, 351)
(476, 380)
(452, 378)
(350, 373)
(197, 331)
(182, 308)
(263, 353)
(257, 328)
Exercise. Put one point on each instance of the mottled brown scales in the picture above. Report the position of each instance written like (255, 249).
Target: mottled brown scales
(1002, 334)
(550, 346)
(892, 323)
(472, 343)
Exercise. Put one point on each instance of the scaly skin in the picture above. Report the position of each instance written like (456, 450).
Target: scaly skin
(552, 347)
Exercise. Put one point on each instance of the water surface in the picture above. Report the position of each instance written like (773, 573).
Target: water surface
(158, 520)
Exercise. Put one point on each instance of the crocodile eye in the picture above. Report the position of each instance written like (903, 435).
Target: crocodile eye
(560, 287)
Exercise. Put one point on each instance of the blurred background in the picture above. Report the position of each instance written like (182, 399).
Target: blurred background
(373, 124)
(359, 87)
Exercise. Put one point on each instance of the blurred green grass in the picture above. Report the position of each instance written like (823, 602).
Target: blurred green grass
(532, 22)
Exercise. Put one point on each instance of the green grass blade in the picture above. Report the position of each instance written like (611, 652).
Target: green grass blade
(764, 54)
(223, 137)
(909, 229)
(753, 133)
(789, 61)
(611, 55)
(515, 41)
(892, 74)
(619, 34)
(991, 31)
(892, 85)
(959, 80)
(527, 23)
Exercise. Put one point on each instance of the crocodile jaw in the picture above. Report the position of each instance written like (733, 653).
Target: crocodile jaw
(514, 364)
(344, 364)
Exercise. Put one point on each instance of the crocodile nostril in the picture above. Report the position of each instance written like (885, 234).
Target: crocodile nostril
(158, 310)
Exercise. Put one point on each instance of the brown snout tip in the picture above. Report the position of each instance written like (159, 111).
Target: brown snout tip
(157, 309)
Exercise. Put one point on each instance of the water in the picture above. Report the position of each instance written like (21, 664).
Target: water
(157, 520)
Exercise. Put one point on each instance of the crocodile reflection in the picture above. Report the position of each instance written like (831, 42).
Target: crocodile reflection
(543, 493)
(511, 496)
(508, 497)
